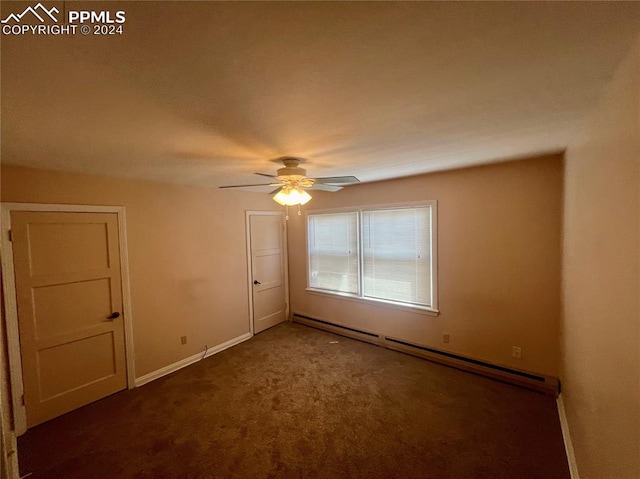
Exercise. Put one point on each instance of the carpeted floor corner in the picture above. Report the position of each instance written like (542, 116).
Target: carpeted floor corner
(295, 402)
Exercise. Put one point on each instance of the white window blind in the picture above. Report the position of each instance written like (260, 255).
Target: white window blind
(397, 255)
(333, 252)
(386, 254)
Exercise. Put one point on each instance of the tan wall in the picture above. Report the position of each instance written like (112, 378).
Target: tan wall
(601, 285)
(187, 255)
(499, 262)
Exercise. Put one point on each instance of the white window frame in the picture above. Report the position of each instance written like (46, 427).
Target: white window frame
(359, 297)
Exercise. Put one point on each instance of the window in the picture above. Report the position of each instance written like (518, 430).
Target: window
(333, 252)
(381, 254)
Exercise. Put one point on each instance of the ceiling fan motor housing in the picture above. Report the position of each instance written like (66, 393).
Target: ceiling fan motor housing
(291, 170)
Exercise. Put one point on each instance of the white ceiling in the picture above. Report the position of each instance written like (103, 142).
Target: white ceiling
(207, 93)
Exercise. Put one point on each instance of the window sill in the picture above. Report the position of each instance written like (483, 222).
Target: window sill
(375, 302)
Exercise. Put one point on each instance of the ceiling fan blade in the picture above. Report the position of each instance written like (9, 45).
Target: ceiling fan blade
(323, 187)
(337, 180)
(264, 174)
(275, 191)
(245, 186)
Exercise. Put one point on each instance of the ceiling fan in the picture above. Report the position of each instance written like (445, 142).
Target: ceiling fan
(292, 183)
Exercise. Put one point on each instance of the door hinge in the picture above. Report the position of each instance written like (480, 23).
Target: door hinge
(22, 400)
(9, 235)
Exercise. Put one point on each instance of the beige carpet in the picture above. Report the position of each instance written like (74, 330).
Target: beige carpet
(295, 402)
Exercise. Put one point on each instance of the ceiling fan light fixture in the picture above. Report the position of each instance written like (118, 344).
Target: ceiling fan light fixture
(292, 196)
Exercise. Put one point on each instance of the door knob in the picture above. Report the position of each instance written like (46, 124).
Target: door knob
(255, 281)
(114, 316)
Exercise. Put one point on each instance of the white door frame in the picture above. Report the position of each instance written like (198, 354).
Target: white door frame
(248, 214)
(11, 309)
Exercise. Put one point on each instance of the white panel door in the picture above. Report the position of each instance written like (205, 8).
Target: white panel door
(267, 248)
(69, 297)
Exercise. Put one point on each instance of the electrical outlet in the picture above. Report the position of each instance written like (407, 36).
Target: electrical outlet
(445, 338)
(516, 352)
(183, 339)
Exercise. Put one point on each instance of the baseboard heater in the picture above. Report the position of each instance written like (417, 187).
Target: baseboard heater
(354, 333)
(537, 382)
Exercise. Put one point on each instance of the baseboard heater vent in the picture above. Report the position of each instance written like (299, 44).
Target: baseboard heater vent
(537, 382)
(367, 336)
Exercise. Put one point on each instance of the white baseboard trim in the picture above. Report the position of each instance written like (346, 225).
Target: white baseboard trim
(566, 436)
(183, 363)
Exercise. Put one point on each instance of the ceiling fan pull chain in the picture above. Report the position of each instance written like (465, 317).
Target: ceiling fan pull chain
(299, 212)
(287, 216)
